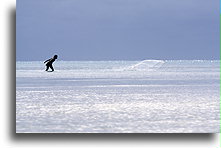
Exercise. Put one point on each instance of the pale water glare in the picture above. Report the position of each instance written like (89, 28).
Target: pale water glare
(118, 97)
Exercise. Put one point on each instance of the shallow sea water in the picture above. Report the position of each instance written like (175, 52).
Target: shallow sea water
(150, 96)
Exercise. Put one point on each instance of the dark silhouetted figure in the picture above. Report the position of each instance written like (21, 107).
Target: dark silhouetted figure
(49, 63)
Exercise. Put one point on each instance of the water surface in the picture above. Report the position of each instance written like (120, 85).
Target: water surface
(149, 96)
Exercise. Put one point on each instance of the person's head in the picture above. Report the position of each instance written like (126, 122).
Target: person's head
(55, 56)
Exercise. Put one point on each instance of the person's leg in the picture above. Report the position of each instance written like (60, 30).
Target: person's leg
(51, 67)
(47, 68)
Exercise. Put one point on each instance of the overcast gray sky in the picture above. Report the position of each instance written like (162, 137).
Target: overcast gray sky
(117, 29)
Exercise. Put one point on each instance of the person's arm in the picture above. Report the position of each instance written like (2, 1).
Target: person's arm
(47, 60)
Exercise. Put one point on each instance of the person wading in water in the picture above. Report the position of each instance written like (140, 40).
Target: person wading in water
(49, 63)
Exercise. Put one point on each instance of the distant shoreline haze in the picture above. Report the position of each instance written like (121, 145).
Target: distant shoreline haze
(124, 60)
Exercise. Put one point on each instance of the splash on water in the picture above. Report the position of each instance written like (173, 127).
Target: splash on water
(147, 65)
